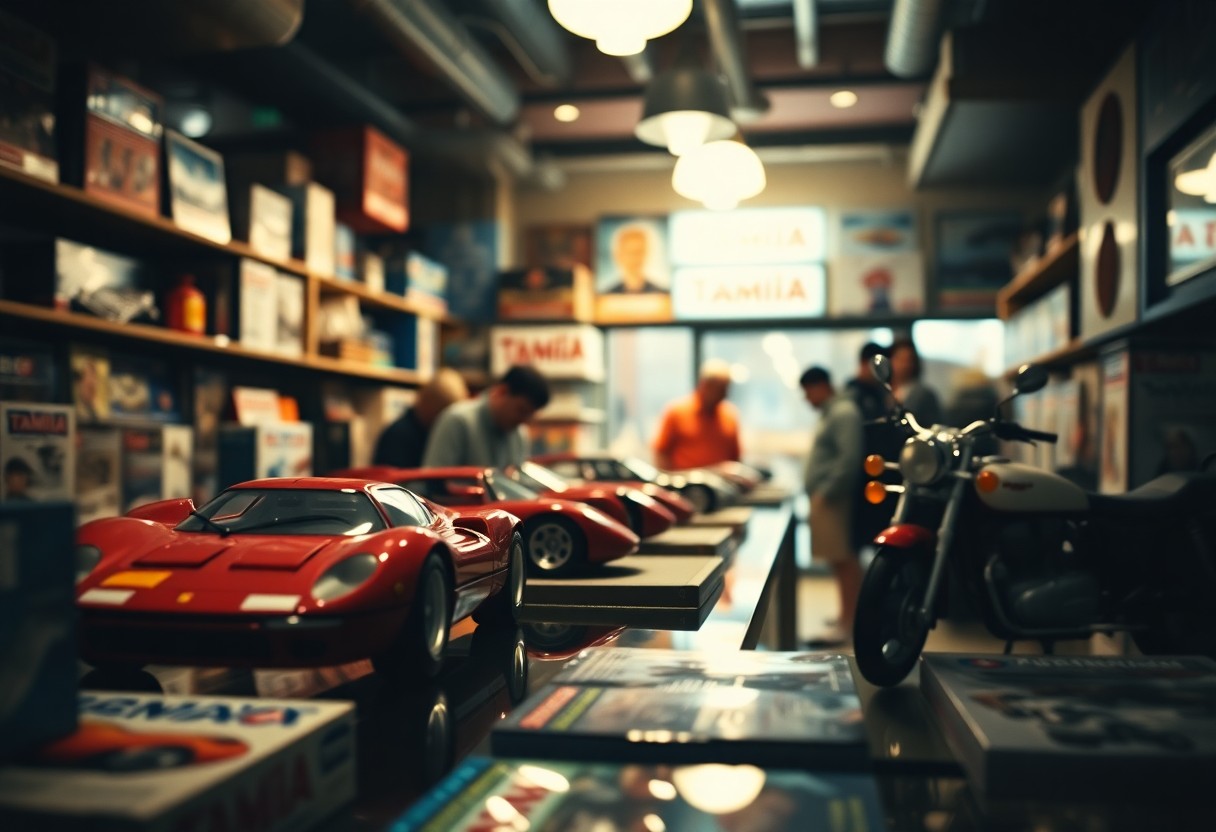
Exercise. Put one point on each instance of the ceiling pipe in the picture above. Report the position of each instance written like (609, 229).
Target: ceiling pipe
(806, 32)
(913, 37)
(641, 65)
(726, 41)
(532, 35)
(427, 27)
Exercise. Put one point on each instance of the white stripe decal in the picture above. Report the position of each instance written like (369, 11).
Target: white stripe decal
(113, 597)
(270, 603)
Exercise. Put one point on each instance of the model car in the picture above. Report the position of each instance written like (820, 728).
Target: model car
(293, 573)
(100, 745)
(560, 536)
(744, 477)
(706, 490)
(646, 515)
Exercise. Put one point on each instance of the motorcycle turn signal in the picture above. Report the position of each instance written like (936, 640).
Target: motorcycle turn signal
(986, 482)
(876, 492)
(875, 465)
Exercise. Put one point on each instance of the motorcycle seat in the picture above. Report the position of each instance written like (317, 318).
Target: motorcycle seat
(1166, 494)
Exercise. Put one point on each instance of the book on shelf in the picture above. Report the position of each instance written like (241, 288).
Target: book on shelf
(524, 794)
(675, 706)
(1077, 727)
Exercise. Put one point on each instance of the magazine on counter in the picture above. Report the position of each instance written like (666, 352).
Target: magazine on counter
(770, 709)
(1077, 727)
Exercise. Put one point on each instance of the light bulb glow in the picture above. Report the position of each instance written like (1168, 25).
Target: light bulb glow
(719, 174)
(685, 130)
(718, 789)
(566, 113)
(843, 99)
(621, 27)
(1200, 182)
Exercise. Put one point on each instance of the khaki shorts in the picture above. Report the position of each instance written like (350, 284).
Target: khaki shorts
(831, 538)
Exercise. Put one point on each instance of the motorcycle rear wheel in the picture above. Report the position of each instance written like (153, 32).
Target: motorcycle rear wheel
(887, 637)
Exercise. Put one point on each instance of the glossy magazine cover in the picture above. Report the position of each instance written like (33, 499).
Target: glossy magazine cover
(674, 706)
(548, 796)
(1077, 726)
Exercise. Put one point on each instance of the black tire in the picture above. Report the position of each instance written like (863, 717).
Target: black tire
(702, 498)
(506, 606)
(419, 647)
(554, 547)
(887, 639)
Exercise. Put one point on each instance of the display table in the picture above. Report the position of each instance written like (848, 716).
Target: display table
(408, 736)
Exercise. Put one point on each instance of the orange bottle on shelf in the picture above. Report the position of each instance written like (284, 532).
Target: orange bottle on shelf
(187, 310)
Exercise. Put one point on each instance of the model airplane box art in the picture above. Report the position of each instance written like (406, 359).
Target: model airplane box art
(200, 763)
(1078, 727)
(37, 452)
(37, 626)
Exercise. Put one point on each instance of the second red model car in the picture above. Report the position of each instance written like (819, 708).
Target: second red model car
(291, 573)
(560, 536)
(646, 515)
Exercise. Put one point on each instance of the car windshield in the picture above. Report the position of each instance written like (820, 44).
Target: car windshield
(505, 488)
(286, 511)
(538, 477)
(642, 468)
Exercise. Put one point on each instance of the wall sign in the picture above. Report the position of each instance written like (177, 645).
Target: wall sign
(764, 291)
(567, 352)
(747, 237)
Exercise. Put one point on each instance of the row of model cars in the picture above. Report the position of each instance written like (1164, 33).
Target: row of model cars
(373, 562)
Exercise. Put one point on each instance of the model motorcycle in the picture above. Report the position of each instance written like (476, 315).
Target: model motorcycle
(1041, 558)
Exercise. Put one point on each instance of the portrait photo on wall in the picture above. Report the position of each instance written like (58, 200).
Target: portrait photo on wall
(877, 284)
(633, 274)
(876, 231)
(973, 256)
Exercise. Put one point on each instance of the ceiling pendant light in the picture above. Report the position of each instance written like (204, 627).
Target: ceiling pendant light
(685, 108)
(620, 27)
(719, 174)
(1200, 182)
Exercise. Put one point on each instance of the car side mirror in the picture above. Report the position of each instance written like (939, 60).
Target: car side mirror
(1030, 379)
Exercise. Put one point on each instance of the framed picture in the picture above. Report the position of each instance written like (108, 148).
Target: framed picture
(198, 197)
(876, 232)
(633, 274)
(877, 284)
(973, 250)
(1192, 210)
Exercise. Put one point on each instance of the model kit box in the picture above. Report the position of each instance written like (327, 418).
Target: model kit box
(37, 625)
(418, 279)
(415, 344)
(289, 317)
(37, 452)
(99, 463)
(27, 371)
(143, 390)
(156, 464)
(257, 306)
(346, 264)
(90, 383)
(312, 226)
(69, 275)
(368, 173)
(27, 99)
(198, 192)
(149, 762)
(545, 293)
(262, 217)
(248, 453)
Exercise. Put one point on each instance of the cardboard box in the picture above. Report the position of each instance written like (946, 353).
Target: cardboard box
(90, 383)
(27, 90)
(369, 175)
(345, 253)
(198, 191)
(143, 390)
(371, 270)
(27, 371)
(248, 453)
(157, 464)
(546, 293)
(289, 303)
(190, 762)
(312, 226)
(262, 217)
(257, 303)
(99, 462)
(415, 344)
(37, 452)
(418, 279)
(38, 664)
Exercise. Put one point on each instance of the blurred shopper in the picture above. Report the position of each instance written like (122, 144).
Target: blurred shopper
(402, 443)
(878, 437)
(833, 472)
(488, 430)
(871, 398)
(703, 428)
(917, 397)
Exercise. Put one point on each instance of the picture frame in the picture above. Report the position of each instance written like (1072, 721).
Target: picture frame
(198, 194)
(973, 256)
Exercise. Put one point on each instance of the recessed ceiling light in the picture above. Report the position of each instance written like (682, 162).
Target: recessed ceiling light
(566, 112)
(843, 99)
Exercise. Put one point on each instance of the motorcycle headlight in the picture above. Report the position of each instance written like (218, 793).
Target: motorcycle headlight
(921, 461)
(344, 577)
(87, 558)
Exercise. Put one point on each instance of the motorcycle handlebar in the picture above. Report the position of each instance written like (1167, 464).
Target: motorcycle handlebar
(1015, 432)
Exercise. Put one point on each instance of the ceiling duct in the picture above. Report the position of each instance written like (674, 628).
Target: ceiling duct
(726, 40)
(914, 37)
(531, 35)
(429, 28)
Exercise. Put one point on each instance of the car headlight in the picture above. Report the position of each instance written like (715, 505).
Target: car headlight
(344, 577)
(87, 558)
(921, 461)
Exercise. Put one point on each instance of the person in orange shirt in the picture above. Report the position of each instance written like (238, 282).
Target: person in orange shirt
(701, 429)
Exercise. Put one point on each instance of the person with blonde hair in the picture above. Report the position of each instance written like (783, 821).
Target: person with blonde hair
(703, 428)
(403, 442)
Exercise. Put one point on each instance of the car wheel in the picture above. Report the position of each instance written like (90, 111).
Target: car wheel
(507, 604)
(555, 547)
(701, 496)
(419, 648)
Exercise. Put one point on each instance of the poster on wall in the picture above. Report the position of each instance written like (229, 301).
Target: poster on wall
(557, 282)
(748, 236)
(876, 232)
(632, 275)
(877, 284)
(973, 262)
(469, 250)
(1112, 458)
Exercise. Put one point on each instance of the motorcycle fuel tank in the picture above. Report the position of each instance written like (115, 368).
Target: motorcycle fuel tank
(1014, 487)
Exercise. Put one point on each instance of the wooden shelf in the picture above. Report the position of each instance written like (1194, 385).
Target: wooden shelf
(1048, 272)
(383, 300)
(146, 333)
(1074, 351)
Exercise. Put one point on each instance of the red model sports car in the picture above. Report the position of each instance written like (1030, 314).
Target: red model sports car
(291, 573)
(705, 489)
(560, 536)
(681, 509)
(108, 747)
(626, 503)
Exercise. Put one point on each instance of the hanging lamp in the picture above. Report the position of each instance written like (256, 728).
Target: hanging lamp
(719, 174)
(620, 27)
(684, 108)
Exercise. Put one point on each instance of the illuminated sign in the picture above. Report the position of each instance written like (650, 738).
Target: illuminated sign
(765, 291)
(747, 237)
(1192, 235)
(574, 351)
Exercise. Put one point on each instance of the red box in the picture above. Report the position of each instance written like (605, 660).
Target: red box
(122, 132)
(369, 174)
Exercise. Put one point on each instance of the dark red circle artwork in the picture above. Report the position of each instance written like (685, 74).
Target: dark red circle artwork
(1107, 282)
(1108, 148)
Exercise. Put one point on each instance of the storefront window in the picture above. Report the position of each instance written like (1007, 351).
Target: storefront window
(648, 368)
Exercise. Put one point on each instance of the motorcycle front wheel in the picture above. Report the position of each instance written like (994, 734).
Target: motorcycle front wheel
(887, 636)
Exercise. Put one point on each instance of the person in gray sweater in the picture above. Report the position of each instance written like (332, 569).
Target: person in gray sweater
(488, 431)
(832, 473)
